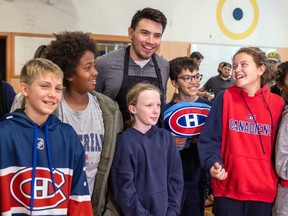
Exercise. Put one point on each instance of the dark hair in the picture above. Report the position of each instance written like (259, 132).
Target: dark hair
(181, 63)
(223, 64)
(3, 100)
(282, 72)
(67, 50)
(220, 66)
(196, 55)
(260, 58)
(151, 14)
(226, 64)
(40, 52)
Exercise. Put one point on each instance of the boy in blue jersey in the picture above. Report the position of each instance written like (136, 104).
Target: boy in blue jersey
(184, 75)
(42, 161)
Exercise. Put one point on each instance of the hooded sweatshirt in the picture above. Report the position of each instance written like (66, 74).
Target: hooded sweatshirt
(146, 173)
(281, 149)
(102, 200)
(280, 206)
(47, 159)
(239, 133)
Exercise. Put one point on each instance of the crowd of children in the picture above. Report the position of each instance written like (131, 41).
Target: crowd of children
(64, 149)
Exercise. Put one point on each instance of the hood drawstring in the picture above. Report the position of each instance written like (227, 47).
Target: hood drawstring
(49, 157)
(34, 162)
(260, 138)
(271, 117)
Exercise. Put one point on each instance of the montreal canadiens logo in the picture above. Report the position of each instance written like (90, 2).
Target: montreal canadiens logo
(186, 119)
(44, 193)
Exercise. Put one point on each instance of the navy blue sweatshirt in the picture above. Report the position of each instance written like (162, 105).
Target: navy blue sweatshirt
(146, 173)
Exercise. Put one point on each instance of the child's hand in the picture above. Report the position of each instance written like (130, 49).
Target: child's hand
(180, 141)
(218, 172)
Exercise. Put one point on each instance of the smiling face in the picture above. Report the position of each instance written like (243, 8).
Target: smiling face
(145, 38)
(147, 110)
(84, 78)
(43, 96)
(187, 91)
(246, 74)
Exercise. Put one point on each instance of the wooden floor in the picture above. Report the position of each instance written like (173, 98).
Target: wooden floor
(209, 203)
(208, 211)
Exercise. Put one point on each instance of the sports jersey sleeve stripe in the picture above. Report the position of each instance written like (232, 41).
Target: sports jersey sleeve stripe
(21, 210)
(80, 198)
(80, 208)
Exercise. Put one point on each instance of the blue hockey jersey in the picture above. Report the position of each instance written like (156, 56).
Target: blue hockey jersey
(42, 168)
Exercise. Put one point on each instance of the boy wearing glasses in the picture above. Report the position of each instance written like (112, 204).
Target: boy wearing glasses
(184, 75)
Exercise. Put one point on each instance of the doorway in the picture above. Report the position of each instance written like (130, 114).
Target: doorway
(3, 58)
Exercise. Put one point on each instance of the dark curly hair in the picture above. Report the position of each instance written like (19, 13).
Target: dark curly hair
(67, 50)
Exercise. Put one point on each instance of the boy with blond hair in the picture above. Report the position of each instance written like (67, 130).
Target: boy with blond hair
(42, 161)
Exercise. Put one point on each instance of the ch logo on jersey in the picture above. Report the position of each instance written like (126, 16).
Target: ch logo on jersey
(20, 188)
(237, 19)
(186, 119)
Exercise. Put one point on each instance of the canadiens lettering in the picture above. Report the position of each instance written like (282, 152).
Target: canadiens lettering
(249, 127)
(92, 142)
(44, 195)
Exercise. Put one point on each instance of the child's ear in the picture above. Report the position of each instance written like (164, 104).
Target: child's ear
(174, 83)
(24, 89)
(132, 109)
(262, 69)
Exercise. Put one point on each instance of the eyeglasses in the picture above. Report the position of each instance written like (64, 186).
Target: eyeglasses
(188, 78)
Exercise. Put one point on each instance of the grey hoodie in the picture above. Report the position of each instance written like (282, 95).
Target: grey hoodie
(281, 162)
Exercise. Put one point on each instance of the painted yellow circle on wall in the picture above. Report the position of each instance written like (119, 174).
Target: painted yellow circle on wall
(241, 35)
